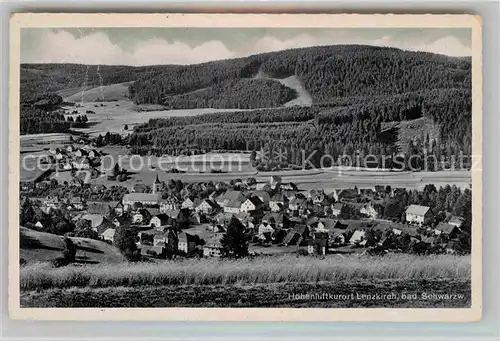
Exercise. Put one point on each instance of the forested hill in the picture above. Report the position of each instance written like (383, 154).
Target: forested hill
(327, 73)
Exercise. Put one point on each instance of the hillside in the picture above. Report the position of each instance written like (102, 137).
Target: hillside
(326, 72)
(39, 247)
(347, 92)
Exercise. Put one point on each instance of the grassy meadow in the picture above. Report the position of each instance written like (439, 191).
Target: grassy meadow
(259, 281)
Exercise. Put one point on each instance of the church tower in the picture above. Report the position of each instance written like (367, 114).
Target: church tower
(156, 185)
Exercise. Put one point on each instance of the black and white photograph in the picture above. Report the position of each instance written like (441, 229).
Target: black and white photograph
(246, 167)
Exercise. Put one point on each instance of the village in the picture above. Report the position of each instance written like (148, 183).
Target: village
(175, 219)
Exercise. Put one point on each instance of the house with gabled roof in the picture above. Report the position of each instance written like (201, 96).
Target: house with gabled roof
(232, 206)
(457, 221)
(337, 209)
(368, 210)
(170, 203)
(99, 207)
(159, 221)
(213, 246)
(264, 196)
(419, 215)
(207, 206)
(108, 235)
(103, 225)
(448, 229)
(251, 204)
(276, 219)
(295, 203)
(121, 220)
(186, 243)
(188, 203)
(278, 202)
(327, 224)
(298, 234)
(229, 196)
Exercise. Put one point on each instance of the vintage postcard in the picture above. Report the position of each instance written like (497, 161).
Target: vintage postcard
(245, 167)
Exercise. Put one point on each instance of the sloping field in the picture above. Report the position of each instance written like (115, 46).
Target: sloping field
(114, 92)
(41, 247)
(277, 281)
(303, 97)
(112, 116)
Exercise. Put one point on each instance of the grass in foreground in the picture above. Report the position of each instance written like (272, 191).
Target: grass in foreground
(366, 294)
(259, 270)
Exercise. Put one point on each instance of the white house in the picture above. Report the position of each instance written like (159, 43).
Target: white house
(369, 210)
(159, 220)
(418, 215)
(188, 203)
(251, 204)
(109, 235)
(265, 228)
(357, 237)
(207, 206)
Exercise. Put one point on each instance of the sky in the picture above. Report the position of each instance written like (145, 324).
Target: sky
(153, 46)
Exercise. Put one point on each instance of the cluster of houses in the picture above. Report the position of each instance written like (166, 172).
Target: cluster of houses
(271, 213)
(71, 157)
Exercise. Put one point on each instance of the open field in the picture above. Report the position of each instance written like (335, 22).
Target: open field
(109, 93)
(362, 294)
(259, 281)
(286, 268)
(114, 115)
(42, 247)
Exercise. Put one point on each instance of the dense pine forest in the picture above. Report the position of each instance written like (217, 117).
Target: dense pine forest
(356, 90)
